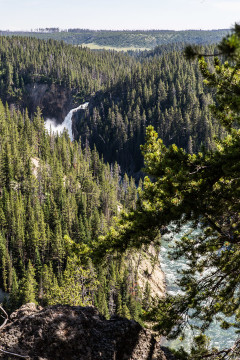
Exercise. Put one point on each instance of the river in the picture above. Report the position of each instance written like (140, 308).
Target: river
(219, 338)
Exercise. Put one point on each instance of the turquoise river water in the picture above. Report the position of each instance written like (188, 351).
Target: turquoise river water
(219, 338)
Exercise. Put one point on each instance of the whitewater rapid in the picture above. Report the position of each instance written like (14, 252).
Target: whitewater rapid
(52, 126)
(219, 337)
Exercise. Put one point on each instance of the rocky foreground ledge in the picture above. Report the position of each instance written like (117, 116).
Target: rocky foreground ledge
(76, 333)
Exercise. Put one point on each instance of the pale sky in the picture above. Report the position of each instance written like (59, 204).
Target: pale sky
(119, 14)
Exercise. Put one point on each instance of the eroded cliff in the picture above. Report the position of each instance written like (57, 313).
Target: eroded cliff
(54, 101)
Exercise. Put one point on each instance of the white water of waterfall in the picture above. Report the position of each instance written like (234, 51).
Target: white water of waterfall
(51, 125)
(219, 338)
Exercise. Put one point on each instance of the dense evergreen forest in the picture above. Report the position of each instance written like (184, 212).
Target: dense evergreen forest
(197, 194)
(59, 198)
(25, 61)
(125, 39)
(55, 200)
(126, 93)
(162, 89)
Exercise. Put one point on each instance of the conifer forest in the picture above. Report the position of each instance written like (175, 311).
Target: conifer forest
(158, 145)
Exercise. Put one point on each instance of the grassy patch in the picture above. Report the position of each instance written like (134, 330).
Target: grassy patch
(94, 46)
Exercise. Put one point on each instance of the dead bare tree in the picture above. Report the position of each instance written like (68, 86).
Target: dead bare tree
(5, 317)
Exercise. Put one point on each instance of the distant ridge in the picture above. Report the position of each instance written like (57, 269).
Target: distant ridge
(124, 39)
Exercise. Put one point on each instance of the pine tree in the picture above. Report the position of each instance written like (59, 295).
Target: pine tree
(14, 294)
(29, 286)
(203, 190)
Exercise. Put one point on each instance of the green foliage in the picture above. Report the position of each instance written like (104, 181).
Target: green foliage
(135, 39)
(77, 285)
(55, 200)
(29, 286)
(26, 61)
(161, 89)
(58, 199)
(201, 190)
(157, 88)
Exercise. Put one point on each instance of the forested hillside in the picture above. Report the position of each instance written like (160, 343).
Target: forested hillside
(67, 210)
(58, 197)
(147, 39)
(25, 61)
(126, 94)
(163, 90)
(55, 200)
(197, 196)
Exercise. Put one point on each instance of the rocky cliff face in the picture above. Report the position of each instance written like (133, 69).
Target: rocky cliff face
(146, 264)
(76, 333)
(54, 101)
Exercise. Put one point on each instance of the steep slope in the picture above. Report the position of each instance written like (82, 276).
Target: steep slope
(163, 90)
(125, 93)
(54, 75)
(55, 201)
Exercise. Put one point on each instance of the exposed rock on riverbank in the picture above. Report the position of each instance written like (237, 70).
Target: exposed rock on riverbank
(148, 268)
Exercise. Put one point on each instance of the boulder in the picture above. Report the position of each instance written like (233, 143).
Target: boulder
(76, 333)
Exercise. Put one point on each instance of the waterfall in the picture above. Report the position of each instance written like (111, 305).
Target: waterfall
(52, 126)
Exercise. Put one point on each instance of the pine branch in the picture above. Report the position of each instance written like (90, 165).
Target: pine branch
(223, 353)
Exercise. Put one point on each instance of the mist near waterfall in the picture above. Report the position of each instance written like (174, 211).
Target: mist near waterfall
(52, 127)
